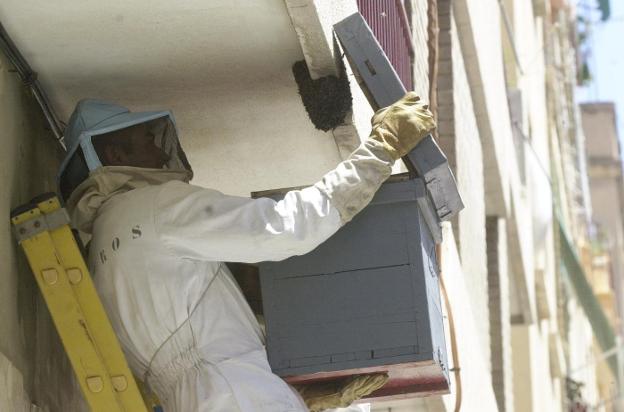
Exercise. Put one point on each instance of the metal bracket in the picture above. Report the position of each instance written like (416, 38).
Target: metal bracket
(57, 219)
(41, 223)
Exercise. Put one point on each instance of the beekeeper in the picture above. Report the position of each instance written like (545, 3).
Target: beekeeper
(158, 244)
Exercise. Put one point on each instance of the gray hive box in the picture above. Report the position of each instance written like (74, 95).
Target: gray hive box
(432, 165)
(366, 300)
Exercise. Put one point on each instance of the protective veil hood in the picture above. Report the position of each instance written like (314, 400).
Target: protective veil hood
(108, 181)
(94, 117)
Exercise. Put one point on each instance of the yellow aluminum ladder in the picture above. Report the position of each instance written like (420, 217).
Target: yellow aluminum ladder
(42, 229)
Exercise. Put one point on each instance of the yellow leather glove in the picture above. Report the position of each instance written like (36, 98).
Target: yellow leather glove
(332, 394)
(400, 126)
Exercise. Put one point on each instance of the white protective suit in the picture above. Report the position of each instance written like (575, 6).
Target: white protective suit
(156, 253)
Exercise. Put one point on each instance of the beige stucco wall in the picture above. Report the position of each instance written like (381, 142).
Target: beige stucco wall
(534, 389)
(477, 392)
(33, 365)
(479, 26)
(223, 67)
(13, 396)
(470, 181)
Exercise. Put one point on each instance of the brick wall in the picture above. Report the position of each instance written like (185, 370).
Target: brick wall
(446, 113)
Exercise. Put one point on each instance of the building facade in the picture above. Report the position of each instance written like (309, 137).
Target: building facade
(604, 161)
(501, 78)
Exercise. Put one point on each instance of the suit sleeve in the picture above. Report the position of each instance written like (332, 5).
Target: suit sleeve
(204, 224)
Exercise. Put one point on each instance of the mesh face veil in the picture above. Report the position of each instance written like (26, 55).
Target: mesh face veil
(166, 138)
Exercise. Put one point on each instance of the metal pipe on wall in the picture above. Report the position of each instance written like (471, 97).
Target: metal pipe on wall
(29, 78)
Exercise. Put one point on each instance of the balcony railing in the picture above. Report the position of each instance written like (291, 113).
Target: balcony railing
(388, 21)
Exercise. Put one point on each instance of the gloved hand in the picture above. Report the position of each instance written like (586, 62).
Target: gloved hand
(400, 126)
(329, 395)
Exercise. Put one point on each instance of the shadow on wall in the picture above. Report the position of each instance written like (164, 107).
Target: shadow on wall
(29, 159)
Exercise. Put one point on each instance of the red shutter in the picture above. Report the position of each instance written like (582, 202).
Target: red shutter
(388, 20)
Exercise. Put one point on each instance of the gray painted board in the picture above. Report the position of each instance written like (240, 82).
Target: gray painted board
(432, 165)
(383, 87)
(370, 61)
